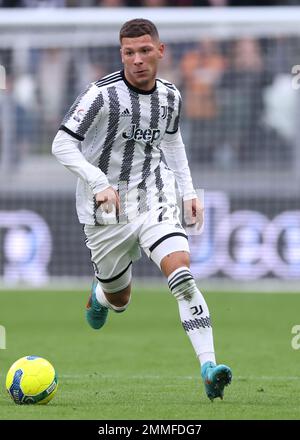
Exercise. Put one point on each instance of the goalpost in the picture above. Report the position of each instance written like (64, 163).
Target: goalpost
(238, 70)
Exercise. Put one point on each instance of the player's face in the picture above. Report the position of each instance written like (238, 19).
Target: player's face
(140, 57)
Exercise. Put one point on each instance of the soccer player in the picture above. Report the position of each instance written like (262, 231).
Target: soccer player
(113, 138)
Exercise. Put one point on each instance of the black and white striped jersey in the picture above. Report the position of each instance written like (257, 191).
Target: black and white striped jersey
(121, 129)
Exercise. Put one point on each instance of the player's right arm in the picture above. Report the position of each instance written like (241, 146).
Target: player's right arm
(66, 150)
(84, 113)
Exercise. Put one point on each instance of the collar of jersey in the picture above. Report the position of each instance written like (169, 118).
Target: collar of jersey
(135, 89)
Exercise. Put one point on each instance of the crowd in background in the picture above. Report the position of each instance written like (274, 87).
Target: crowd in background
(237, 105)
(143, 3)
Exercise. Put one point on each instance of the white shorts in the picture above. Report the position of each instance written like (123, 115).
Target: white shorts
(114, 247)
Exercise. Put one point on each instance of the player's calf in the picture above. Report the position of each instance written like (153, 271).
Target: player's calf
(100, 303)
(119, 301)
(195, 319)
(194, 313)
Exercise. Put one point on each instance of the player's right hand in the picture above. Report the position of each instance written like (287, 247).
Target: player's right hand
(108, 199)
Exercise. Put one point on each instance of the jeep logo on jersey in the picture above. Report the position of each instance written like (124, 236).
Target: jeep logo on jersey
(148, 135)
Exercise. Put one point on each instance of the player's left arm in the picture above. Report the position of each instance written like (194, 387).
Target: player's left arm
(175, 156)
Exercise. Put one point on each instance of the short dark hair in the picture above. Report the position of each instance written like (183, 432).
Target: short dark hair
(138, 27)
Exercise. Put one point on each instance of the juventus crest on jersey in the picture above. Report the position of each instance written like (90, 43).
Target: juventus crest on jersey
(121, 129)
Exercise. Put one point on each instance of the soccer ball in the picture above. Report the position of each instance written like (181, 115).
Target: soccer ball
(31, 380)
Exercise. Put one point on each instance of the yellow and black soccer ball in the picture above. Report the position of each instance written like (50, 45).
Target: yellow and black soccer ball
(31, 380)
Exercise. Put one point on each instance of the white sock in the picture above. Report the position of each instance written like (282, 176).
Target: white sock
(101, 298)
(194, 313)
(207, 357)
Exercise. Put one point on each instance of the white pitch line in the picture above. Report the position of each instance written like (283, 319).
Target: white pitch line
(153, 377)
(168, 378)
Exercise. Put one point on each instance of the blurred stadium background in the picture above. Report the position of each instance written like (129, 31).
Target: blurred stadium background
(238, 71)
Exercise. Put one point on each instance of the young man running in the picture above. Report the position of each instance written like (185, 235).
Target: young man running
(113, 138)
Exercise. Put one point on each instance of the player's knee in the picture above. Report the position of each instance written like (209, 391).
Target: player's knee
(173, 261)
(182, 284)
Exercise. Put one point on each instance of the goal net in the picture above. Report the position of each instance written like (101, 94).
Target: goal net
(238, 70)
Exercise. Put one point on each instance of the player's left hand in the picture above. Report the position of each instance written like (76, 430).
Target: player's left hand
(193, 213)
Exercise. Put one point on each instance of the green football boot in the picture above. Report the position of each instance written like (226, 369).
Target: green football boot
(96, 314)
(215, 378)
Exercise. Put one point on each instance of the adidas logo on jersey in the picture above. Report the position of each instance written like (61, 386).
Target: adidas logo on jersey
(148, 135)
(125, 112)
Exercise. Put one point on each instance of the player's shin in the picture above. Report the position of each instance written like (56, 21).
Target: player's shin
(194, 313)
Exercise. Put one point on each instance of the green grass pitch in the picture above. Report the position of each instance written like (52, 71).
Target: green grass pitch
(141, 365)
